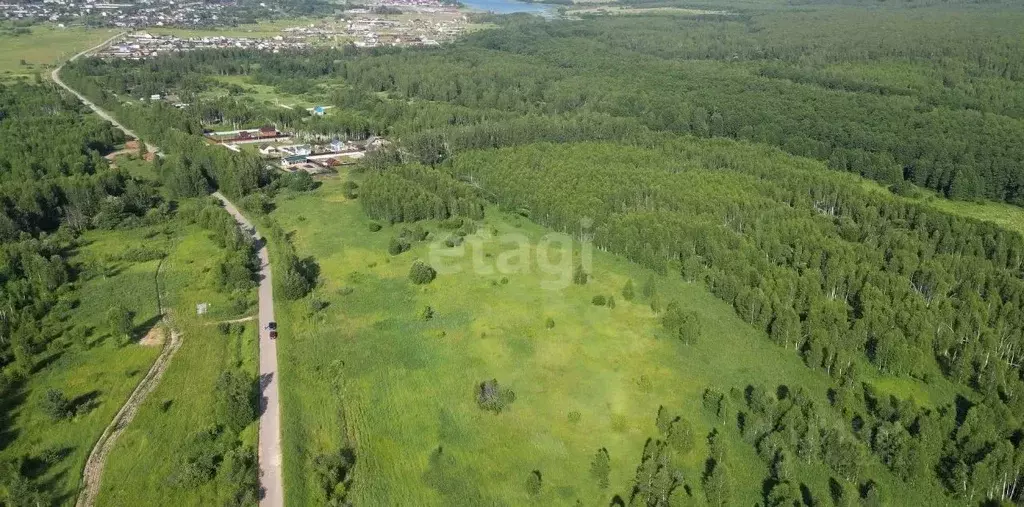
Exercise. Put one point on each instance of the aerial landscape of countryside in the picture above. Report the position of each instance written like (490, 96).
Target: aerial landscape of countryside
(622, 253)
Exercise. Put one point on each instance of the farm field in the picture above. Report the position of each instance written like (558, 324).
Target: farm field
(45, 47)
(371, 373)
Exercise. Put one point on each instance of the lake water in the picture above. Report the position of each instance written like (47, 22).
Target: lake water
(507, 6)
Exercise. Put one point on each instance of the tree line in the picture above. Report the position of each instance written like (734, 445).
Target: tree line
(839, 275)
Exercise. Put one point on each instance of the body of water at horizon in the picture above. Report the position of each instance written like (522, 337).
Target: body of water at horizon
(508, 6)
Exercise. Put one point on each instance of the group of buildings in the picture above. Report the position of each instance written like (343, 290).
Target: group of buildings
(141, 45)
(316, 157)
(133, 13)
(364, 28)
(362, 31)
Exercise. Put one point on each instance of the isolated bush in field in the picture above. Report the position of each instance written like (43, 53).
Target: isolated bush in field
(664, 419)
(333, 473)
(234, 271)
(119, 323)
(418, 233)
(656, 303)
(680, 435)
(420, 273)
(534, 482)
(349, 189)
(374, 227)
(316, 304)
(451, 223)
(579, 276)
(299, 181)
(293, 284)
(200, 457)
(650, 287)
(140, 254)
(693, 268)
(52, 455)
(454, 241)
(550, 323)
(490, 396)
(398, 245)
(427, 313)
(682, 325)
(236, 398)
(238, 305)
(257, 203)
(241, 467)
(56, 405)
(467, 229)
(627, 291)
(575, 416)
(610, 303)
(600, 468)
(78, 336)
(644, 383)
(598, 300)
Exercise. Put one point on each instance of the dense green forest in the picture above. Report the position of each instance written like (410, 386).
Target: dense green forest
(940, 106)
(707, 147)
(54, 183)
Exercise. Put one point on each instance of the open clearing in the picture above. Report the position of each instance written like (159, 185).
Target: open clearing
(140, 466)
(370, 371)
(45, 47)
(95, 373)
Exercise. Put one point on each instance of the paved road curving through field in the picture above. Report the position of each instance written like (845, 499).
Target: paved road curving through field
(272, 490)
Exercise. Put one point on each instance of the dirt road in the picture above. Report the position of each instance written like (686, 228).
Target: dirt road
(272, 490)
(93, 473)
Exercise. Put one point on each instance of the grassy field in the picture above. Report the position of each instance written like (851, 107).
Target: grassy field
(147, 454)
(45, 47)
(262, 93)
(371, 372)
(99, 376)
(136, 167)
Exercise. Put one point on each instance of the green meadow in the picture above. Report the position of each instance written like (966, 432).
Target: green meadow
(93, 370)
(97, 374)
(44, 48)
(371, 373)
(147, 455)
